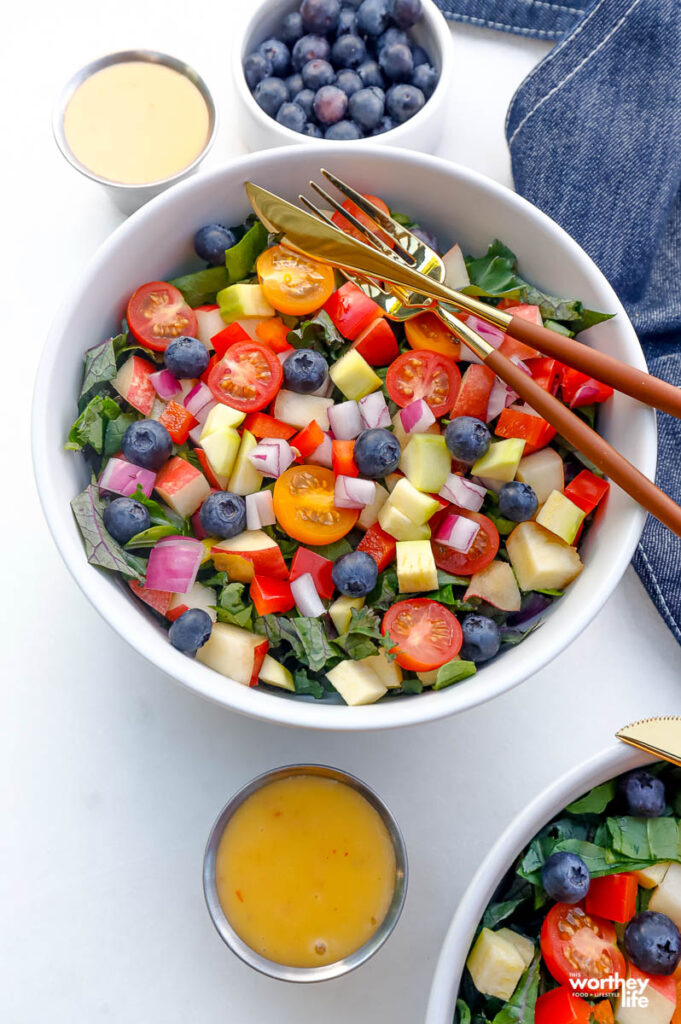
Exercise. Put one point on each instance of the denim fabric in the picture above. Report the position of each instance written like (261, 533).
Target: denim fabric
(537, 18)
(595, 139)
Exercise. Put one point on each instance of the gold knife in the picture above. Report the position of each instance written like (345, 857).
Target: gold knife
(659, 736)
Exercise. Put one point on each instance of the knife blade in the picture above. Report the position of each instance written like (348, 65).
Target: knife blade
(659, 736)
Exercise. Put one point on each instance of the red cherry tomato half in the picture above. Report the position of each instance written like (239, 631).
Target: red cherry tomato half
(349, 228)
(247, 377)
(479, 555)
(426, 634)
(424, 374)
(157, 314)
(578, 945)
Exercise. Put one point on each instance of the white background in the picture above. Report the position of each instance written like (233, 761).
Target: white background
(110, 773)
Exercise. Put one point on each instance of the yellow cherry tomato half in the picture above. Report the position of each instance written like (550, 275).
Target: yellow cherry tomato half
(292, 283)
(427, 331)
(303, 505)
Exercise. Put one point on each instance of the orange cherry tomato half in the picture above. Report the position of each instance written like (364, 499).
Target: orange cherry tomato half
(577, 945)
(482, 551)
(426, 634)
(157, 314)
(293, 283)
(303, 505)
(426, 375)
(247, 377)
(427, 331)
(349, 228)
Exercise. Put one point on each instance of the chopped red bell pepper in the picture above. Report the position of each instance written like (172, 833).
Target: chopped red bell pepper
(308, 439)
(159, 600)
(511, 347)
(579, 389)
(270, 595)
(342, 461)
(533, 430)
(351, 310)
(273, 332)
(377, 343)
(319, 568)
(178, 421)
(215, 358)
(587, 490)
(560, 1006)
(473, 397)
(261, 424)
(380, 545)
(613, 897)
(226, 337)
(546, 372)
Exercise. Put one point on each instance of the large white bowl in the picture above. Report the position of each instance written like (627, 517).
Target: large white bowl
(460, 205)
(551, 801)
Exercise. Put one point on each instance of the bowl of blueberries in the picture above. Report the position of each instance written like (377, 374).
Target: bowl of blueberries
(343, 70)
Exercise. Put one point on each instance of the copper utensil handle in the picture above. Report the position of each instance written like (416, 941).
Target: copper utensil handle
(576, 431)
(620, 376)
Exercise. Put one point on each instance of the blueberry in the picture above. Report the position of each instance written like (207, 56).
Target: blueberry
(347, 21)
(425, 78)
(349, 81)
(390, 36)
(320, 16)
(305, 371)
(565, 877)
(313, 130)
(396, 62)
(186, 357)
(305, 99)
(270, 94)
(467, 438)
(278, 53)
(371, 74)
(644, 793)
(373, 17)
(355, 574)
(481, 639)
(386, 124)
(348, 52)
(367, 107)
(343, 131)
(517, 501)
(406, 13)
(125, 517)
(419, 56)
(190, 631)
(309, 48)
(290, 115)
(330, 104)
(292, 28)
(376, 453)
(223, 514)
(256, 67)
(653, 943)
(210, 243)
(404, 101)
(427, 238)
(317, 73)
(147, 443)
(294, 84)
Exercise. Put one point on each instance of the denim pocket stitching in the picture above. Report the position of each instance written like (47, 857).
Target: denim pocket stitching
(666, 612)
(500, 25)
(555, 7)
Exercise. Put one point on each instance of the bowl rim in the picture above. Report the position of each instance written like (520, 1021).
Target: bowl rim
(210, 684)
(598, 768)
(436, 25)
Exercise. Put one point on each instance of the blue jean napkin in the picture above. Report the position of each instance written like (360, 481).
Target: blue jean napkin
(595, 139)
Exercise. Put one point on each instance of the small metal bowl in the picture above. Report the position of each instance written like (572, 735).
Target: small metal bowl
(224, 928)
(129, 197)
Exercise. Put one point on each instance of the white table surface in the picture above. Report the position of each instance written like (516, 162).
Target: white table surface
(110, 773)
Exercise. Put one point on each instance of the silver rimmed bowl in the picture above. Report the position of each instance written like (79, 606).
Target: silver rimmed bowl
(227, 932)
(129, 197)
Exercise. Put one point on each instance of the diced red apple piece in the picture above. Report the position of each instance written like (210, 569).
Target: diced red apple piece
(456, 274)
(234, 652)
(248, 553)
(132, 382)
(495, 584)
(209, 322)
(182, 486)
(159, 600)
(198, 597)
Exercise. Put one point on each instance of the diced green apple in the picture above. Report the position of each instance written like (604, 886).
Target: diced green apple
(543, 471)
(389, 672)
(243, 301)
(353, 376)
(392, 480)
(209, 322)
(234, 652)
(400, 526)
(497, 585)
(428, 678)
(245, 479)
(650, 877)
(500, 461)
(666, 898)
(561, 516)
(299, 410)
(369, 514)
(416, 505)
(219, 418)
(522, 944)
(426, 462)
(540, 559)
(495, 965)
(356, 683)
(276, 674)
(221, 448)
(416, 569)
(341, 611)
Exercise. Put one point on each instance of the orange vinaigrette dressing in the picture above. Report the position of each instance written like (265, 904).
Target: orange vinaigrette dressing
(305, 871)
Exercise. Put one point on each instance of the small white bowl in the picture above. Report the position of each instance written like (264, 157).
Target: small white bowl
(422, 132)
(450, 965)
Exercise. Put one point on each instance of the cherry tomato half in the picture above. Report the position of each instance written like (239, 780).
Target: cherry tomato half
(482, 551)
(303, 505)
(292, 283)
(426, 633)
(427, 331)
(345, 225)
(426, 375)
(157, 314)
(247, 377)
(577, 945)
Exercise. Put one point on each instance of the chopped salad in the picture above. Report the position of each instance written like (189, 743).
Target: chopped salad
(312, 497)
(585, 926)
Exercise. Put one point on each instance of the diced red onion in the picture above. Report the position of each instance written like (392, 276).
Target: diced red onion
(488, 484)
(345, 421)
(195, 433)
(324, 390)
(173, 564)
(165, 384)
(416, 417)
(533, 604)
(272, 456)
(457, 532)
(322, 456)
(517, 361)
(351, 492)
(501, 396)
(121, 477)
(374, 410)
(198, 398)
(259, 510)
(308, 601)
(197, 526)
(486, 330)
(463, 492)
(586, 393)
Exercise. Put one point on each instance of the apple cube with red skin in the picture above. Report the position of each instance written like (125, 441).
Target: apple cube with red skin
(159, 600)
(497, 585)
(182, 486)
(198, 597)
(377, 343)
(249, 553)
(133, 383)
(656, 1003)
(209, 322)
(234, 652)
